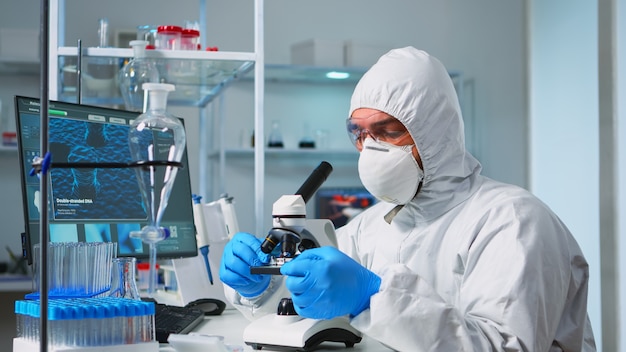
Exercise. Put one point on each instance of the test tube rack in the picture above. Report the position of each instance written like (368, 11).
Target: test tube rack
(23, 345)
(88, 324)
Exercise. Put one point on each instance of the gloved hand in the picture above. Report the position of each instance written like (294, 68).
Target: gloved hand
(240, 253)
(326, 283)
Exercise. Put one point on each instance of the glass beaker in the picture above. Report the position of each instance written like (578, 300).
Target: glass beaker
(307, 141)
(123, 284)
(100, 74)
(276, 138)
(321, 138)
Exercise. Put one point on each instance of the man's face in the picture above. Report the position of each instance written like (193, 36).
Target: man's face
(371, 123)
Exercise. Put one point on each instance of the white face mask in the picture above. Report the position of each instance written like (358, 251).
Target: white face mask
(389, 172)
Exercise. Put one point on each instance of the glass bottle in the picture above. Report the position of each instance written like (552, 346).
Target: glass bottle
(157, 141)
(123, 284)
(134, 74)
(276, 138)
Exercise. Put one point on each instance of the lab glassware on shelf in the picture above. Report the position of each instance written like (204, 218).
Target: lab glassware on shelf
(275, 139)
(213, 71)
(134, 74)
(100, 73)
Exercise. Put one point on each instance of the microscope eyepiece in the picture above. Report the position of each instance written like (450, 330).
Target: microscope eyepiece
(315, 180)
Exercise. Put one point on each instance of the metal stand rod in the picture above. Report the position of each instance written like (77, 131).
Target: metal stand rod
(43, 223)
(79, 72)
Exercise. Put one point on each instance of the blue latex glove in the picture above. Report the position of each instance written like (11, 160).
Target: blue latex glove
(240, 253)
(325, 283)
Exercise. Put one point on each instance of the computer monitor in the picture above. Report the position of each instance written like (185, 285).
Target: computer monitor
(95, 205)
(341, 204)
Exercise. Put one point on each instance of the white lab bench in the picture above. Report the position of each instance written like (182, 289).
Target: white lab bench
(231, 324)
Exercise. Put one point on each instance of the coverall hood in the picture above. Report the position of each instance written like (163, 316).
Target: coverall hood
(416, 88)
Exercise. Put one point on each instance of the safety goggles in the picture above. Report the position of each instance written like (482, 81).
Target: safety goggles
(385, 131)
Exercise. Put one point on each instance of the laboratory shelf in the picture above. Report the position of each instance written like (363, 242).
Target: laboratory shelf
(162, 54)
(284, 73)
(199, 76)
(8, 149)
(19, 66)
(271, 153)
(16, 283)
(279, 73)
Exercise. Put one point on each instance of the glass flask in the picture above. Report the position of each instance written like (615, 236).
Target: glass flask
(157, 140)
(134, 74)
(276, 138)
(123, 284)
(306, 141)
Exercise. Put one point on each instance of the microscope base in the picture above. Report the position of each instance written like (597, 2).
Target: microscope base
(294, 333)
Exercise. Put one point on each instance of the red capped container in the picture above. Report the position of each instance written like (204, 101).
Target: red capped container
(143, 275)
(190, 39)
(169, 37)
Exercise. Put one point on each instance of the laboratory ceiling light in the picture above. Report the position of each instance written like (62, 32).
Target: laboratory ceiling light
(337, 75)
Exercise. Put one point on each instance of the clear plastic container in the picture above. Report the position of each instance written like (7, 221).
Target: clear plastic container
(190, 39)
(169, 37)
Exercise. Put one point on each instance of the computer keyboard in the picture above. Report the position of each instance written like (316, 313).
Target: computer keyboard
(175, 320)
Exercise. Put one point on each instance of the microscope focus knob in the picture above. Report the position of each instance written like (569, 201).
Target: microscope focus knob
(305, 244)
(285, 307)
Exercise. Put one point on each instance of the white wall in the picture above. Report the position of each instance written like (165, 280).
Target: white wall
(484, 39)
(620, 234)
(564, 152)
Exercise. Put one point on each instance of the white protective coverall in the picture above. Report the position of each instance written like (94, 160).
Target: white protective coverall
(470, 264)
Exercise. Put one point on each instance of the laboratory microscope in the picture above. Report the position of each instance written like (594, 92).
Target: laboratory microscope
(290, 235)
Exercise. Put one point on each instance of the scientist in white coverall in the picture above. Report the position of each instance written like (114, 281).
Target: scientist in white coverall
(448, 260)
